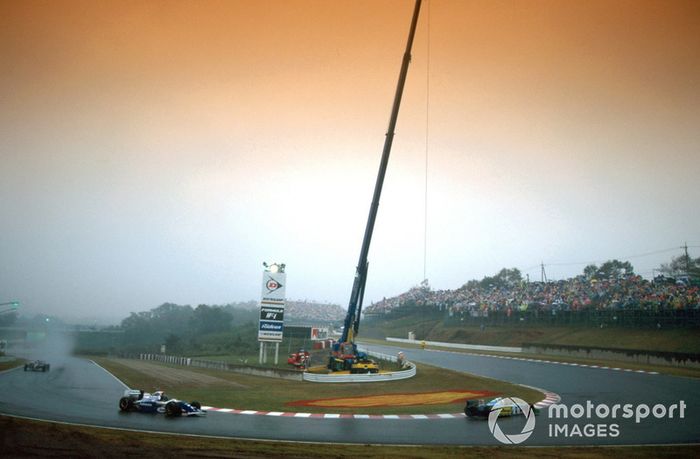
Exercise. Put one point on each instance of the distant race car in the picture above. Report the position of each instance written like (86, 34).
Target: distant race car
(482, 408)
(37, 365)
(158, 402)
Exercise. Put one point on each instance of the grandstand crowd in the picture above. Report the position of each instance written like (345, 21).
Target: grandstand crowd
(311, 311)
(579, 293)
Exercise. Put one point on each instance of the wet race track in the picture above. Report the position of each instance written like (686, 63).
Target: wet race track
(79, 391)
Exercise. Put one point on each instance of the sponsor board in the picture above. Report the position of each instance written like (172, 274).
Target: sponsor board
(273, 287)
(270, 330)
(268, 312)
(271, 324)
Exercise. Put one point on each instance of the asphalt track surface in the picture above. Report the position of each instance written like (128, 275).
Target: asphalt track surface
(79, 391)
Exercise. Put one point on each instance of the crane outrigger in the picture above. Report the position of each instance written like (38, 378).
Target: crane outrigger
(344, 354)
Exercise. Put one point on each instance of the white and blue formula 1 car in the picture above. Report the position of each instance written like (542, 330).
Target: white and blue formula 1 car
(505, 406)
(158, 402)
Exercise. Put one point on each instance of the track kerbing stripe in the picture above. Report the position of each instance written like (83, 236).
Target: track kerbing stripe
(550, 399)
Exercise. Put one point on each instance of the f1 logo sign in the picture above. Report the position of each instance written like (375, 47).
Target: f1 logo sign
(271, 313)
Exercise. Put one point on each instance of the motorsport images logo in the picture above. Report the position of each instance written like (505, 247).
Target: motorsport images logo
(510, 406)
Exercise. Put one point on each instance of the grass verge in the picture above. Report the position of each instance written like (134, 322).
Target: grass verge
(11, 364)
(233, 390)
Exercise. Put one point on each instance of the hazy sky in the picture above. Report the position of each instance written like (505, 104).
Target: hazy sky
(158, 151)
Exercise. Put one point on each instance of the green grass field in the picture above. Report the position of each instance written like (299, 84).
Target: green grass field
(270, 394)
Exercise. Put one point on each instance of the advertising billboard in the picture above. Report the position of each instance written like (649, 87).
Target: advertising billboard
(271, 323)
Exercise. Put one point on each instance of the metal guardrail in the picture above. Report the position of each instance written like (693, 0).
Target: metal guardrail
(171, 359)
(474, 347)
(379, 355)
(364, 377)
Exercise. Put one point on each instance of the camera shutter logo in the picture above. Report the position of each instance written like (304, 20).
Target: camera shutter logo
(517, 405)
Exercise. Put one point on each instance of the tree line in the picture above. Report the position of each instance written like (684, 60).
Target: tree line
(680, 266)
(207, 329)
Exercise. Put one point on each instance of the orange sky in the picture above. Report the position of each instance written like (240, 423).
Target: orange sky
(167, 148)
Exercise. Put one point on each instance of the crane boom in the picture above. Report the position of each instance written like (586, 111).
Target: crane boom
(352, 319)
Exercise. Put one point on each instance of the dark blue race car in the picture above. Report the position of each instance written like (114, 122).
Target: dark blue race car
(504, 405)
(37, 365)
(158, 402)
